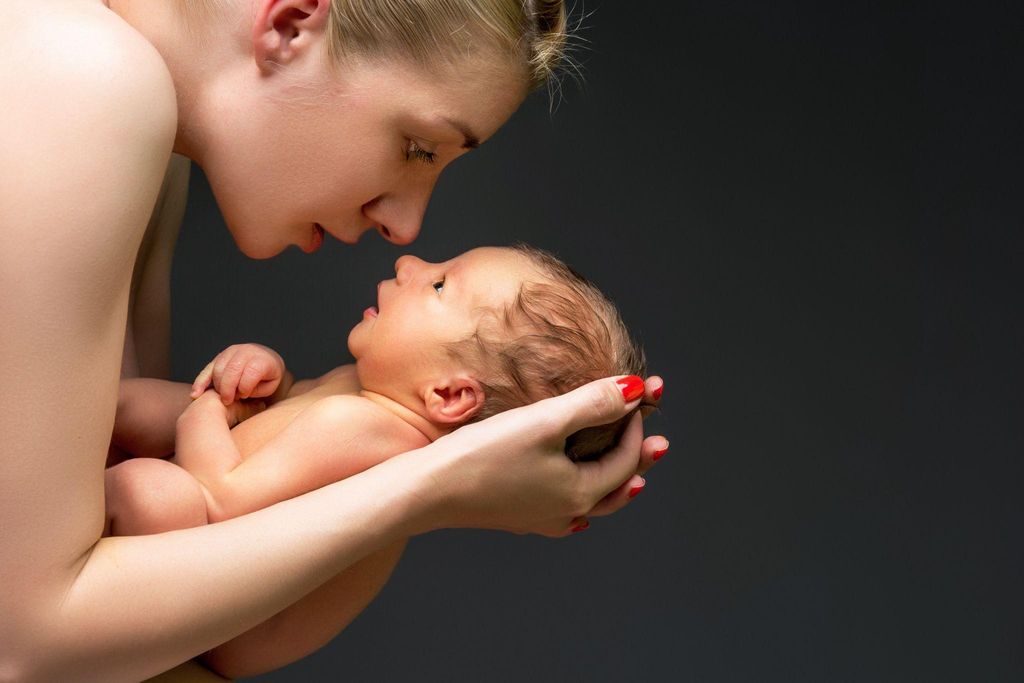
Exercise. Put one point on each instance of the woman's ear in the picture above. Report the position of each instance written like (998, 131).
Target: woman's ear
(453, 401)
(283, 29)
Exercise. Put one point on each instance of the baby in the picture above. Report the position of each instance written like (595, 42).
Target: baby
(447, 344)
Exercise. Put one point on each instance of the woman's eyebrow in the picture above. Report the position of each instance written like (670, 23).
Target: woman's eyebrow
(471, 140)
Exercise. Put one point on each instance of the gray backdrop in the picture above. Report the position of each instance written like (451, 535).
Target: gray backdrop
(811, 217)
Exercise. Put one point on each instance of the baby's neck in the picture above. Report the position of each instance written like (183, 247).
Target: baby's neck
(430, 430)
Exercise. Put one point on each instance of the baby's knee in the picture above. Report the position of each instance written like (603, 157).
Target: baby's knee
(149, 496)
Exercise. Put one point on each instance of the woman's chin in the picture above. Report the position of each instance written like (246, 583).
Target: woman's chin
(260, 252)
(257, 247)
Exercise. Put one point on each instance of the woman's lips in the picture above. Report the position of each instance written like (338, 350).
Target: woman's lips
(370, 312)
(316, 240)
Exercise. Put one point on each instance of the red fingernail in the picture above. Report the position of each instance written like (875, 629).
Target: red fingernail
(581, 526)
(658, 454)
(632, 387)
(635, 490)
(657, 392)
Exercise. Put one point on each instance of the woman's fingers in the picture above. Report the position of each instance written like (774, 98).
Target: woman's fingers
(653, 450)
(600, 402)
(653, 388)
(617, 465)
(620, 497)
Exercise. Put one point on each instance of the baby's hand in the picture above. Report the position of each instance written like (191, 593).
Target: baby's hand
(253, 370)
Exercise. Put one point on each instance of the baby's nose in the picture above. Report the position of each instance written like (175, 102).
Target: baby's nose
(405, 267)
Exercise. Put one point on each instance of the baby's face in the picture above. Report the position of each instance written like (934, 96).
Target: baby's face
(400, 342)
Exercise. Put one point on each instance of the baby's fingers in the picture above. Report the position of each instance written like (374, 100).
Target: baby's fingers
(227, 370)
(202, 381)
(251, 383)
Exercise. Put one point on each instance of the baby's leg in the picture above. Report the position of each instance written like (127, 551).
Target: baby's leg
(149, 495)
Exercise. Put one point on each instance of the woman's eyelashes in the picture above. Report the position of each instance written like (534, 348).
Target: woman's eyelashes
(414, 151)
(439, 286)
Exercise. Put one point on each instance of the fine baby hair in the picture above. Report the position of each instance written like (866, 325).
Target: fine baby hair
(559, 333)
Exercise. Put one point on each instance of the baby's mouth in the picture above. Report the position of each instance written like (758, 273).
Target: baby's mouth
(373, 311)
(316, 239)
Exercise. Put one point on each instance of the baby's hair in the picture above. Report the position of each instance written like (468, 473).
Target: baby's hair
(559, 333)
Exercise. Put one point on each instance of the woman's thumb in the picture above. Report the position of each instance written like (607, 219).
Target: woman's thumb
(603, 401)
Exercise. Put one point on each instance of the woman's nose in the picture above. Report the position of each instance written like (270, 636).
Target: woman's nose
(399, 215)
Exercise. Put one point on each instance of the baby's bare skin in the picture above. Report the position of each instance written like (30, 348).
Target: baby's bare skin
(334, 416)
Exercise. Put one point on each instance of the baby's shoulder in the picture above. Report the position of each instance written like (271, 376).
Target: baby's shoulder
(341, 380)
(351, 416)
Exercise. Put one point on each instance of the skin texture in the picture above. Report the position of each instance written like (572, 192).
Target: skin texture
(333, 433)
(104, 97)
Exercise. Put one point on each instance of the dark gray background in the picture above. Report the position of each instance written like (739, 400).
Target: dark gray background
(811, 217)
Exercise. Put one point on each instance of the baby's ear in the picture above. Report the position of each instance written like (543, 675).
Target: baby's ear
(454, 400)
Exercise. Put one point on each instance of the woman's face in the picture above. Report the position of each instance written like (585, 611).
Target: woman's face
(305, 153)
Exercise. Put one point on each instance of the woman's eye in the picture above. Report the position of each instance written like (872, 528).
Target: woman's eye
(414, 151)
(438, 286)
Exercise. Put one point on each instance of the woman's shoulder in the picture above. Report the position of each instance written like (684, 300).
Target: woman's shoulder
(88, 129)
(79, 63)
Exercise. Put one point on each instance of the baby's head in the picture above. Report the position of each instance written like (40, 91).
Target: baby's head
(490, 330)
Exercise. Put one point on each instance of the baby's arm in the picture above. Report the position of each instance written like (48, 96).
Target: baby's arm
(148, 409)
(332, 439)
(346, 434)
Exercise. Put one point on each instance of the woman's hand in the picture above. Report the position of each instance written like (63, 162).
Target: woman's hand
(251, 370)
(510, 471)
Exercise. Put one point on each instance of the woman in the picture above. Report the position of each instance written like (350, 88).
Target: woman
(308, 117)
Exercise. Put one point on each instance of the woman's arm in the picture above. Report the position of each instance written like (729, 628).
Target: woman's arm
(147, 411)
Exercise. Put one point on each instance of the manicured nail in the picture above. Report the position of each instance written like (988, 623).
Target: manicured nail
(581, 526)
(657, 392)
(636, 489)
(632, 387)
(657, 454)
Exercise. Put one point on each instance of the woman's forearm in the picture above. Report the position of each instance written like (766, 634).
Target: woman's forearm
(147, 410)
(136, 606)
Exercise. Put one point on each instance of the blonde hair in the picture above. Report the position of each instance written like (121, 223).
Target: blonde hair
(528, 34)
(531, 33)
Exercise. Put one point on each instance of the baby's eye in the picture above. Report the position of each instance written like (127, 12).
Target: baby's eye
(439, 285)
